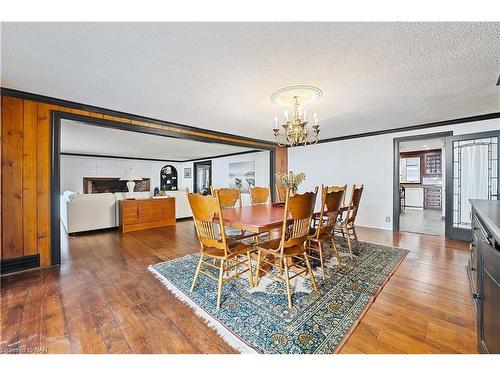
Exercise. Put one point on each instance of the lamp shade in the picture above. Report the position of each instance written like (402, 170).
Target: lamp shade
(130, 175)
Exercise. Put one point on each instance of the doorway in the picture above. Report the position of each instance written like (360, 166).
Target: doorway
(202, 176)
(57, 117)
(420, 184)
(470, 169)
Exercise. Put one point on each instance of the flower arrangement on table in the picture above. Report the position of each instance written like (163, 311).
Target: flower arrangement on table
(291, 180)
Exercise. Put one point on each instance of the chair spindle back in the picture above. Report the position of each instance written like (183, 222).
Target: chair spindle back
(299, 209)
(331, 202)
(354, 204)
(205, 209)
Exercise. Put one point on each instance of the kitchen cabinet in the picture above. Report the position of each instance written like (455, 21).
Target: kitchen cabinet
(432, 163)
(484, 273)
(432, 197)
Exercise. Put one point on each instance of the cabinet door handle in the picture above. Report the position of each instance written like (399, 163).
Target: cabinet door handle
(476, 296)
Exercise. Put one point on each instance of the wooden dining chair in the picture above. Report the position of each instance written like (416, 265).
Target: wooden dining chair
(335, 188)
(347, 227)
(331, 203)
(342, 188)
(280, 193)
(229, 198)
(259, 195)
(215, 245)
(290, 249)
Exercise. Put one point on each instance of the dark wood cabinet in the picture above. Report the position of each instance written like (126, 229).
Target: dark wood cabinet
(432, 197)
(432, 164)
(484, 273)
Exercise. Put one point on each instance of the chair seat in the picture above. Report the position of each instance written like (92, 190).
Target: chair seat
(271, 246)
(235, 249)
(343, 225)
(324, 236)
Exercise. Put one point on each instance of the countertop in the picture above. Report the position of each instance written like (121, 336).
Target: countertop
(489, 212)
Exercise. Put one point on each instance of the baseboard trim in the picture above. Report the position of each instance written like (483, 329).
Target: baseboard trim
(19, 264)
(187, 218)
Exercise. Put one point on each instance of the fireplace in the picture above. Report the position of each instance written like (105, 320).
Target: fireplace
(111, 185)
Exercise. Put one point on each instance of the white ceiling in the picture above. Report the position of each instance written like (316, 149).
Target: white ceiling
(421, 145)
(219, 76)
(81, 138)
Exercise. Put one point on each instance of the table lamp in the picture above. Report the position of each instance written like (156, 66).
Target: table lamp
(130, 176)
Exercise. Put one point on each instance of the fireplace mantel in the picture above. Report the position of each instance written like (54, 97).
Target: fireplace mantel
(112, 185)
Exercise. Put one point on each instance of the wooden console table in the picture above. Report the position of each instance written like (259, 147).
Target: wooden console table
(137, 214)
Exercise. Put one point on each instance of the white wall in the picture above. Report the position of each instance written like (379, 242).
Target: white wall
(367, 161)
(74, 168)
(220, 171)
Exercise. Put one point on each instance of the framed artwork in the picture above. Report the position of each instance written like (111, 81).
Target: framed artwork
(187, 172)
(242, 176)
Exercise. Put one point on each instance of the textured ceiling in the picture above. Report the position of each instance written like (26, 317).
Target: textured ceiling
(219, 76)
(83, 138)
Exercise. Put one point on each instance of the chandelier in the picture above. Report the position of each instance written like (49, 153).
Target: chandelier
(295, 131)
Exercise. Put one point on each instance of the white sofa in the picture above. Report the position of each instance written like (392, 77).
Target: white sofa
(83, 212)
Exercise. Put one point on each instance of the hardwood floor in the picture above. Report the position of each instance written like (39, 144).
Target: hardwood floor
(103, 300)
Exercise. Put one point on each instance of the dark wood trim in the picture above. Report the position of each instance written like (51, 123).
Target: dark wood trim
(225, 155)
(487, 116)
(109, 112)
(27, 262)
(157, 131)
(396, 202)
(272, 174)
(55, 188)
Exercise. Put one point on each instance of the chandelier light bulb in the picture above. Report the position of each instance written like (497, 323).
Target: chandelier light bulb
(296, 131)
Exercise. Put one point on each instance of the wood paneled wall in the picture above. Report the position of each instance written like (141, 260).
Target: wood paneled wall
(281, 165)
(25, 177)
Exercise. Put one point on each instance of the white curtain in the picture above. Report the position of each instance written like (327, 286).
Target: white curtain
(474, 177)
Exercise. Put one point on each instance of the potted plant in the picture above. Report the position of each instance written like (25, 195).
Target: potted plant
(291, 180)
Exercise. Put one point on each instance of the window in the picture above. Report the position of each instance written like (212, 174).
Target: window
(409, 170)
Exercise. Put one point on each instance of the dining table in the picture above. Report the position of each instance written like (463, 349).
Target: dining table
(256, 219)
(261, 218)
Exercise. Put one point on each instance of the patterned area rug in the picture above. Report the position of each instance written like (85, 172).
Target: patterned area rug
(259, 320)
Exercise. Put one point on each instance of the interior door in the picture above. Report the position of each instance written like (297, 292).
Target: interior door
(472, 171)
(202, 176)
